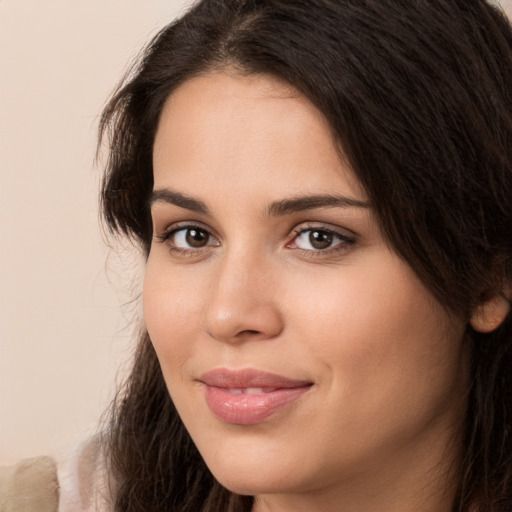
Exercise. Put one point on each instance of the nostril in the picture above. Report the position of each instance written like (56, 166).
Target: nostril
(236, 321)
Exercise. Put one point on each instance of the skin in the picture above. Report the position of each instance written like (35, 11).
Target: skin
(381, 425)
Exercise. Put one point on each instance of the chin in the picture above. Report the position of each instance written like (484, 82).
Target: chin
(256, 474)
(254, 482)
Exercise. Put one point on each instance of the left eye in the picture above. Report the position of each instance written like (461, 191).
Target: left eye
(318, 239)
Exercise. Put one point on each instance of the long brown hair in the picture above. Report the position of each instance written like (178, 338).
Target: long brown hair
(419, 95)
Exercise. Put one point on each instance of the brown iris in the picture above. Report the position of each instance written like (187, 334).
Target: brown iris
(196, 237)
(320, 239)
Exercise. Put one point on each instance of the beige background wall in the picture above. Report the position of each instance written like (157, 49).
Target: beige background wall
(62, 336)
(61, 333)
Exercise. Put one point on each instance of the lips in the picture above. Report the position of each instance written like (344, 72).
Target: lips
(248, 397)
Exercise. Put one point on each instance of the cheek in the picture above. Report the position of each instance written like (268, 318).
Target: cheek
(391, 358)
(380, 326)
(172, 313)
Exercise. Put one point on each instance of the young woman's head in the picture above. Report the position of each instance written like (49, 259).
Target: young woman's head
(322, 190)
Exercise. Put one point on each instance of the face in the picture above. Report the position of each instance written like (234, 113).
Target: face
(298, 348)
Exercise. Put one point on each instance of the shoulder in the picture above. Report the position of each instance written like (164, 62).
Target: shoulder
(30, 486)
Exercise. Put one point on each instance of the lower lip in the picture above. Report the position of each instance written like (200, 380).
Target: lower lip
(249, 409)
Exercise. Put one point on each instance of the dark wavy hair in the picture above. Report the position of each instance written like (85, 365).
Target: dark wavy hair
(419, 95)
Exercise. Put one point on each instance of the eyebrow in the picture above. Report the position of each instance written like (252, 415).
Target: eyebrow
(276, 209)
(297, 204)
(168, 196)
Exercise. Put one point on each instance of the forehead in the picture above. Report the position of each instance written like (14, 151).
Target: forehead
(222, 127)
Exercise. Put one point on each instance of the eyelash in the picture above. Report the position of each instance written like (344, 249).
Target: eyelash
(167, 236)
(343, 245)
(344, 241)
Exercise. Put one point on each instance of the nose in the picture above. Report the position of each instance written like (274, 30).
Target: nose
(242, 305)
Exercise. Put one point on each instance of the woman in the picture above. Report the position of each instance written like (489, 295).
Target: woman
(322, 192)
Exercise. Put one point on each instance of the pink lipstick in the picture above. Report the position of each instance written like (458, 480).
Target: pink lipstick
(248, 396)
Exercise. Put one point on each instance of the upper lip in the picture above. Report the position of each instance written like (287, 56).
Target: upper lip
(249, 378)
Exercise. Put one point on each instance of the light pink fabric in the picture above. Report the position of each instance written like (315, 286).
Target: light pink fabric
(83, 480)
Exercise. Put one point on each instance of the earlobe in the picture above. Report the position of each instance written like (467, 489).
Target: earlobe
(490, 313)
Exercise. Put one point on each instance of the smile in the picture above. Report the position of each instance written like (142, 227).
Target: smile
(248, 397)
(250, 391)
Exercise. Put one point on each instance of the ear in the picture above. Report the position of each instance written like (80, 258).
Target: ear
(490, 313)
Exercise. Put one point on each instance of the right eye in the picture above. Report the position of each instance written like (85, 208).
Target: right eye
(188, 238)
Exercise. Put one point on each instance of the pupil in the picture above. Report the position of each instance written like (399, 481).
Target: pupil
(320, 239)
(196, 237)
